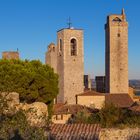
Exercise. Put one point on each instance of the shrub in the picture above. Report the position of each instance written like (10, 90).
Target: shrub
(110, 115)
(15, 126)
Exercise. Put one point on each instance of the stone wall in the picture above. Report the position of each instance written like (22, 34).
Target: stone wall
(91, 101)
(120, 134)
(10, 55)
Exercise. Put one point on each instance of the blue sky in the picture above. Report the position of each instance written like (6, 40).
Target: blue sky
(30, 25)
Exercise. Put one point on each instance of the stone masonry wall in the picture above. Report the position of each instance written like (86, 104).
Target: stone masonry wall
(117, 54)
(70, 68)
(51, 57)
(120, 134)
(10, 55)
(91, 101)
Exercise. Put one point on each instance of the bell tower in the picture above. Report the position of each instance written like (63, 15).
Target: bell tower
(70, 64)
(116, 33)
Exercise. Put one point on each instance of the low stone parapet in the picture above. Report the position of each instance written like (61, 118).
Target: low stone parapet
(119, 134)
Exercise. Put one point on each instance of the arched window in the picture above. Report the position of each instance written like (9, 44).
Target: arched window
(73, 44)
(60, 45)
(53, 49)
(117, 19)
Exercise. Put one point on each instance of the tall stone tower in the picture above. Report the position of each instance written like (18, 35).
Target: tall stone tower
(51, 56)
(116, 30)
(70, 64)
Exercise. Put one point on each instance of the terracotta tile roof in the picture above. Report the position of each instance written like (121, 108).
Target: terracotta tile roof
(121, 100)
(75, 131)
(71, 109)
(91, 93)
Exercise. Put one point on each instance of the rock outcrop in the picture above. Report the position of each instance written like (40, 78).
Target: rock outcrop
(36, 112)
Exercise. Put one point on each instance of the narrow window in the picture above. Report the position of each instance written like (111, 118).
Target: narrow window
(53, 49)
(61, 117)
(73, 44)
(60, 47)
(118, 34)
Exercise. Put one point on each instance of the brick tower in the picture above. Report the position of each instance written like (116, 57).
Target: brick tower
(116, 30)
(70, 64)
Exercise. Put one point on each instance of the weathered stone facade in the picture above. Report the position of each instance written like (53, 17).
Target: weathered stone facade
(116, 54)
(120, 134)
(93, 101)
(51, 57)
(10, 55)
(67, 59)
(70, 64)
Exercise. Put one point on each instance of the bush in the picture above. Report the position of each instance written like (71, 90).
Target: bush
(110, 115)
(15, 126)
(131, 119)
(83, 117)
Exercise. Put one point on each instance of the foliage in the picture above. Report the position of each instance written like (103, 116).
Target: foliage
(110, 116)
(15, 126)
(31, 79)
(80, 117)
(130, 119)
(50, 109)
(113, 116)
(83, 117)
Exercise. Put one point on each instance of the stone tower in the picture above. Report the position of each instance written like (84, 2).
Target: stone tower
(51, 57)
(10, 55)
(116, 32)
(70, 64)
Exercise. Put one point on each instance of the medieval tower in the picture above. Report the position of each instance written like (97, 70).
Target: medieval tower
(51, 56)
(116, 32)
(70, 64)
(67, 60)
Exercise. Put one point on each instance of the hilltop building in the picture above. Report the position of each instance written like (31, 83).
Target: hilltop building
(116, 63)
(10, 55)
(67, 59)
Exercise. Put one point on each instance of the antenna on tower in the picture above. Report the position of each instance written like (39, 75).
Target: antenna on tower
(69, 23)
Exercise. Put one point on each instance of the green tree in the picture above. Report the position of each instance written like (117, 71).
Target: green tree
(33, 80)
